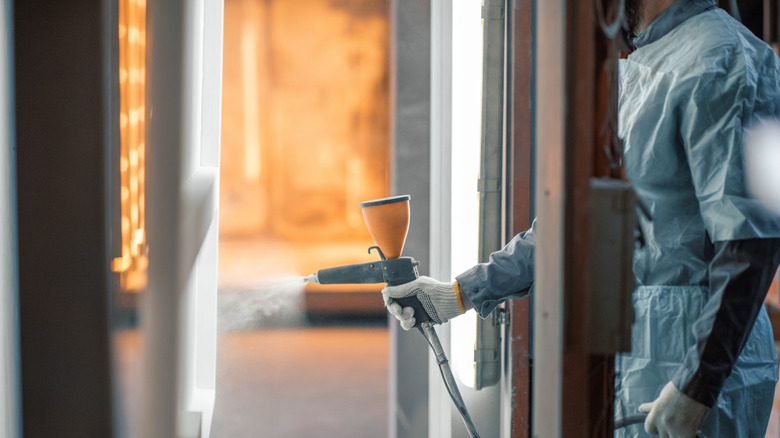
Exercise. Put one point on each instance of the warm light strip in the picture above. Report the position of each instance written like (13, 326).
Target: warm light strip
(132, 72)
(249, 75)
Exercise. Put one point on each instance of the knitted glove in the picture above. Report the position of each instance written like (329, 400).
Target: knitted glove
(442, 301)
(673, 414)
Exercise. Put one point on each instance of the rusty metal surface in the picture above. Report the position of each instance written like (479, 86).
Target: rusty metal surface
(521, 204)
(586, 377)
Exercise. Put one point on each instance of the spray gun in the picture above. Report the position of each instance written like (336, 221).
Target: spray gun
(387, 221)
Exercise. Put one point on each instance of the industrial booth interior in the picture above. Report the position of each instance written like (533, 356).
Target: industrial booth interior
(170, 171)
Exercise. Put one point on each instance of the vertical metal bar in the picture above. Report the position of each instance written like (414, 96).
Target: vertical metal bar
(410, 91)
(441, 138)
(583, 392)
(491, 179)
(767, 24)
(777, 21)
(550, 198)
(179, 318)
(205, 333)
(160, 317)
(520, 168)
(10, 391)
(62, 85)
(492, 147)
(440, 405)
(587, 400)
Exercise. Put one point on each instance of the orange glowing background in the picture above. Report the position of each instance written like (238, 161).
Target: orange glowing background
(305, 125)
(305, 136)
(132, 70)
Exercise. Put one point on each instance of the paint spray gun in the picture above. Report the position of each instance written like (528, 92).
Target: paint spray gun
(387, 221)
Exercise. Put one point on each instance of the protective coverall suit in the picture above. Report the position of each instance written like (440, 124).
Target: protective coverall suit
(695, 82)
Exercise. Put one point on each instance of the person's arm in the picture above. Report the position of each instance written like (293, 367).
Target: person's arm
(508, 274)
(746, 237)
(740, 275)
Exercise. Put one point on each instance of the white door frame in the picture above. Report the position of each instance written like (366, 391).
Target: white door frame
(178, 316)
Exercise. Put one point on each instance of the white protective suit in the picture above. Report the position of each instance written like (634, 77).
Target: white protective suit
(696, 81)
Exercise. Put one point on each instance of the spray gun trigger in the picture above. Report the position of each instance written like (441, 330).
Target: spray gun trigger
(381, 254)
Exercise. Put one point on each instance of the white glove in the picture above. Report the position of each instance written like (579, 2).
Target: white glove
(442, 301)
(673, 414)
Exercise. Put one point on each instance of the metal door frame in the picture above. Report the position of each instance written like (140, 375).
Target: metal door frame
(10, 390)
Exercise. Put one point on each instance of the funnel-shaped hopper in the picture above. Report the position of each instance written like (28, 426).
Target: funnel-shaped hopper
(387, 220)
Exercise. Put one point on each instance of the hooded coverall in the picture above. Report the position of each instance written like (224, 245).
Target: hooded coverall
(696, 81)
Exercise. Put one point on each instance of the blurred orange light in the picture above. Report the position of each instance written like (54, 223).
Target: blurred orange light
(132, 68)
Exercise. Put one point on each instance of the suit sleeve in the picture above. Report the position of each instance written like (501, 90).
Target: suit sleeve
(508, 274)
(740, 275)
(745, 236)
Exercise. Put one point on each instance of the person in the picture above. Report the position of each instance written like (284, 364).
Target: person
(702, 357)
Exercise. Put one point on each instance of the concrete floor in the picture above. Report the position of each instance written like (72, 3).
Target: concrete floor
(317, 381)
(314, 382)
(304, 382)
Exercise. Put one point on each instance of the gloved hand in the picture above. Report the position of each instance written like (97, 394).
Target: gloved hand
(442, 301)
(673, 414)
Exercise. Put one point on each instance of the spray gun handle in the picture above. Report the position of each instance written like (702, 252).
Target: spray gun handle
(420, 314)
(409, 274)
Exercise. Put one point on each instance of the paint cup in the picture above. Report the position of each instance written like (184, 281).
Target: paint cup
(387, 220)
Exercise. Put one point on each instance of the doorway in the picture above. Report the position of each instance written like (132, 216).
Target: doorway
(305, 139)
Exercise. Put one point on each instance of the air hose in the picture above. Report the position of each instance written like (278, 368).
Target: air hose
(628, 420)
(426, 329)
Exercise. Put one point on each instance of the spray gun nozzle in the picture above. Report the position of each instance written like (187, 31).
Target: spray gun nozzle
(311, 279)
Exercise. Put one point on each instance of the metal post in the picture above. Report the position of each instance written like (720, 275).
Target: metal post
(491, 179)
(10, 396)
(550, 199)
(410, 91)
(440, 210)
(767, 25)
(65, 139)
(516, 386)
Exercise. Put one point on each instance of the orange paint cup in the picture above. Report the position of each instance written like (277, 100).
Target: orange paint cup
(387, 220)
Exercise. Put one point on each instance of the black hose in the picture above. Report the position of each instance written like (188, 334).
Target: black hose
(628, 420)
(428, 332)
